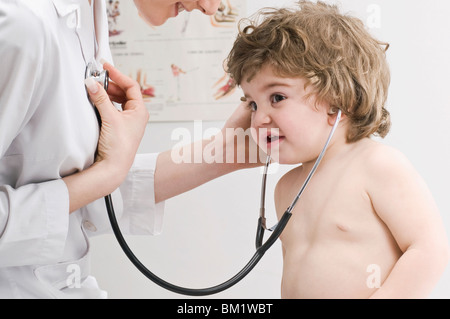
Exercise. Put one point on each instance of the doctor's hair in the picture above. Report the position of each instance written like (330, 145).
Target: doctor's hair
(337, 56)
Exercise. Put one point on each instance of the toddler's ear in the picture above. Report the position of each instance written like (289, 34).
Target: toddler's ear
(332, 114)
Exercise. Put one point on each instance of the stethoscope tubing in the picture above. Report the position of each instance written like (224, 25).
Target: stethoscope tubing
(190, 291)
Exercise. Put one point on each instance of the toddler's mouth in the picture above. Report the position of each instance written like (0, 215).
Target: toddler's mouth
(273, 139)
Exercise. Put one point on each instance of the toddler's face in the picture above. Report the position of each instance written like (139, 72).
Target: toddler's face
(287, 125)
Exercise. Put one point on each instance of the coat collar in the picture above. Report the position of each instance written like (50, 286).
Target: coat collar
(65, 7)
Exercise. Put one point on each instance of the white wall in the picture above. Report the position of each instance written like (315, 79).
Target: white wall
(209, 232)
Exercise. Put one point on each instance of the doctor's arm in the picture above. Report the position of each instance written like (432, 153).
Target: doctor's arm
(32, 227)
(230, 150)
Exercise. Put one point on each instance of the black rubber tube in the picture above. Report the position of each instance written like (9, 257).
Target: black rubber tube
(201, 291)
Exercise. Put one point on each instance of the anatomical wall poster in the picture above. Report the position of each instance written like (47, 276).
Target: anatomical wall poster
(179, 65)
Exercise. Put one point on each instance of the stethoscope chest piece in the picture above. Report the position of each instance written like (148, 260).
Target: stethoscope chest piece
(101, 77)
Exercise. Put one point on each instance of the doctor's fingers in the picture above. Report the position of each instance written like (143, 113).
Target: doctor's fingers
(129, 87)
(100, 98)
(108, 112)
(240, 118)
(116, 94)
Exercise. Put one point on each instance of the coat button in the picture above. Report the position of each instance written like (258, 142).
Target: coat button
(89, 226)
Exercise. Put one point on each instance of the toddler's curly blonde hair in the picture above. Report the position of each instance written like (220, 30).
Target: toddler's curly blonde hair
(345, 65)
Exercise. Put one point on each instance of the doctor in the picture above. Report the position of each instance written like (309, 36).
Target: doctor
(51, 184)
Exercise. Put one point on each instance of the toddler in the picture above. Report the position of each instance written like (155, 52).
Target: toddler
(366, 225)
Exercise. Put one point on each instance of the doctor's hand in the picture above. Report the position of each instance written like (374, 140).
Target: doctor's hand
(121, 131)
(238, 139)
(120, 136)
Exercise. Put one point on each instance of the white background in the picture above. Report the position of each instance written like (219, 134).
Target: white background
(209, 232)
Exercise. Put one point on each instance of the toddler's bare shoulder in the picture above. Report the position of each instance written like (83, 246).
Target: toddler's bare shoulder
(383, 159)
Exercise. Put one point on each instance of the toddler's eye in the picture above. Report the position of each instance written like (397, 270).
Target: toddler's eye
(277, 98)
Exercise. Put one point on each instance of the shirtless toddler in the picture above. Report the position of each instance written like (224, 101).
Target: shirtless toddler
(366, 225)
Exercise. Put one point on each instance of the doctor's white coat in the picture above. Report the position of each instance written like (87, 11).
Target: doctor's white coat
(48, 130)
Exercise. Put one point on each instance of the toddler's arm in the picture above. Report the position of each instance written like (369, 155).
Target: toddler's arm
(403, 201)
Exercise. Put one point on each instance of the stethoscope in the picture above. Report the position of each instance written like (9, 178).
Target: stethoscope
(103, 78)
